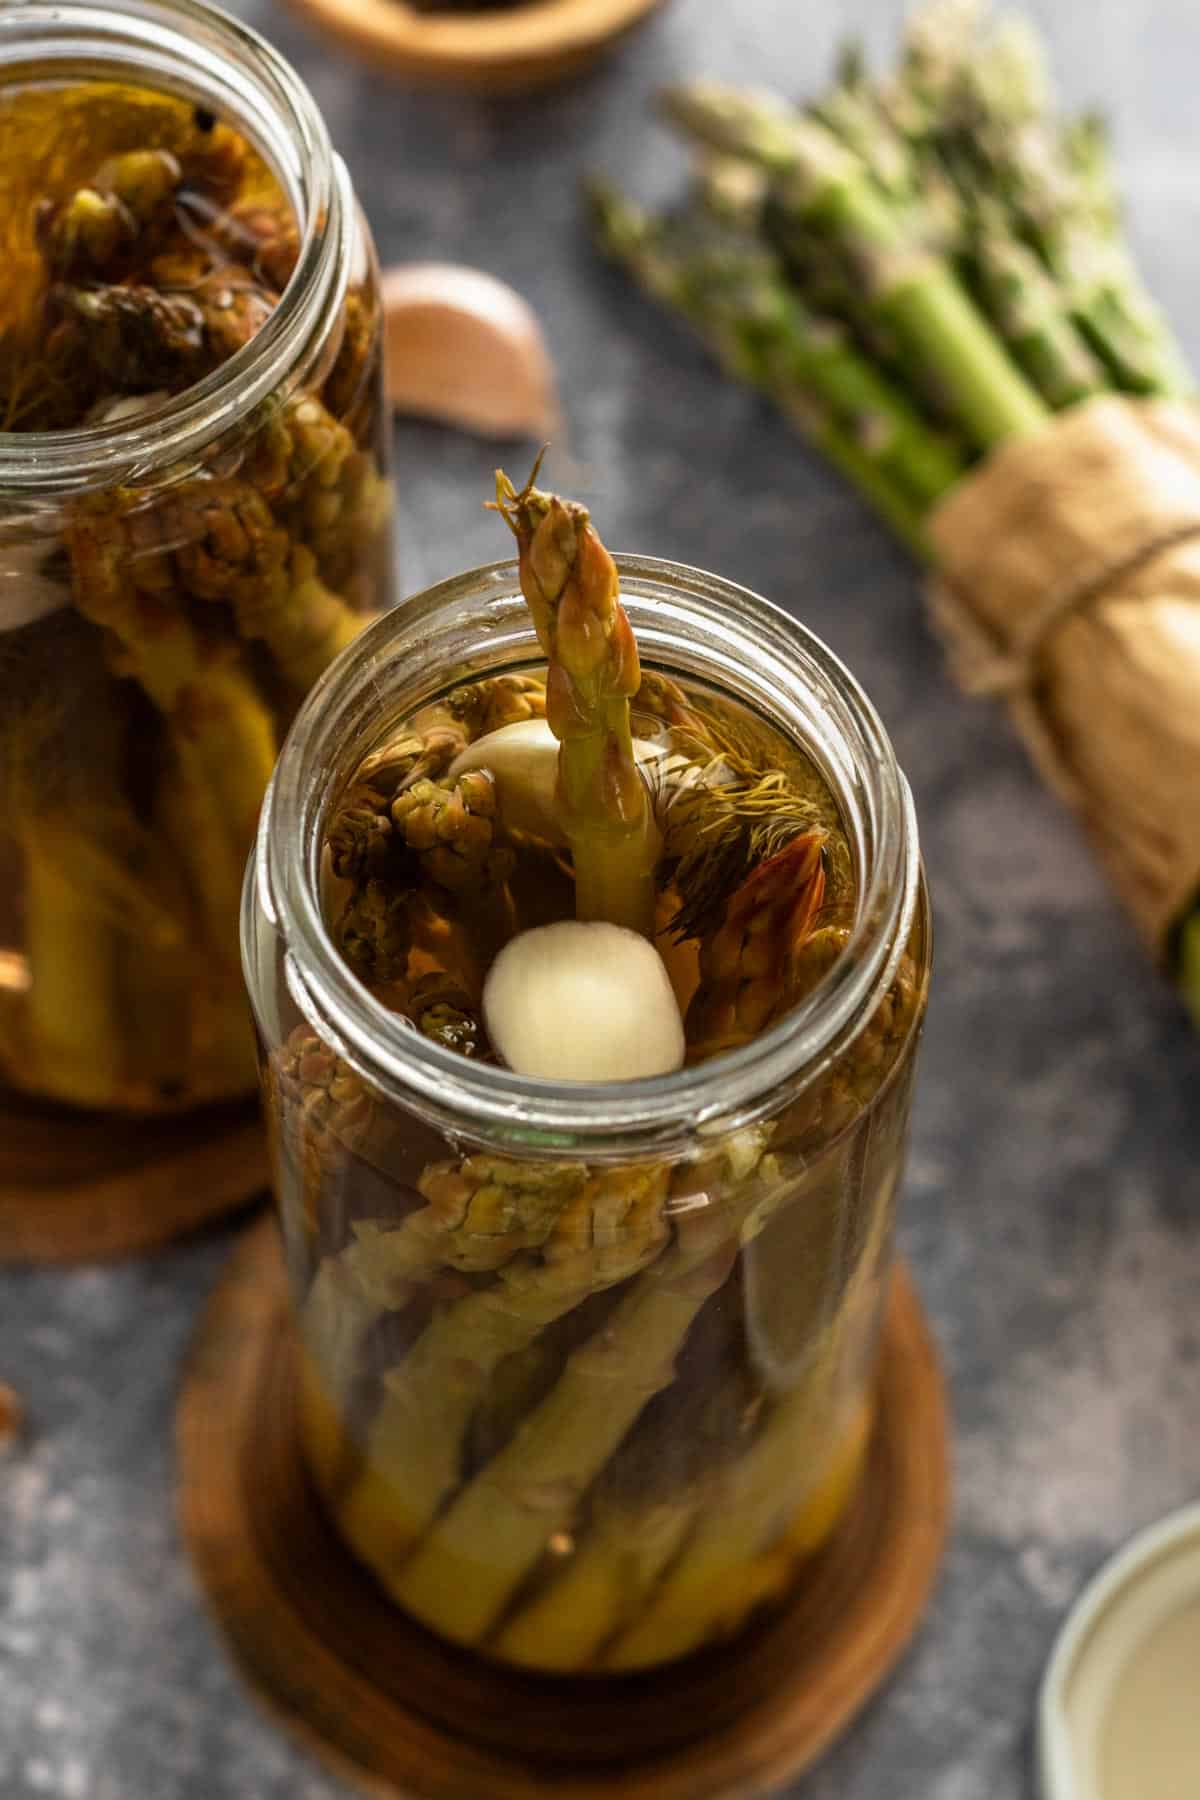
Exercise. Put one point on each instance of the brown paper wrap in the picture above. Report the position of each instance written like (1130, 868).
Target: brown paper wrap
(1069, 582)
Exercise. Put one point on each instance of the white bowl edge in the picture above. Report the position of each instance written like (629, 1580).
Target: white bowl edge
(1057, 1765)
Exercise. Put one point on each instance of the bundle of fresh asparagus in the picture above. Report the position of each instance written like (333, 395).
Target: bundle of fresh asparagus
(156, 637)
(568, 1413)
(927, 273)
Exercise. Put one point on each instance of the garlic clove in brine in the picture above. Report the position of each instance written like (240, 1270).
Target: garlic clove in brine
(583, 1001)
(523, 759)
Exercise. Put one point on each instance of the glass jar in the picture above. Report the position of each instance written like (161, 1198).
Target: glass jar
(601, 1457)
(178, 569)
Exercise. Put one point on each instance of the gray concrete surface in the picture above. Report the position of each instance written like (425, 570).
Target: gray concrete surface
(1053, 1203)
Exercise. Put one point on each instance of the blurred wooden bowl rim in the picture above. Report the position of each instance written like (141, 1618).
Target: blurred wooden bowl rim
(505, 49)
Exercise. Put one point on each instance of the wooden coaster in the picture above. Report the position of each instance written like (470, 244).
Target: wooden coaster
(79, 1186)
(398, 1714)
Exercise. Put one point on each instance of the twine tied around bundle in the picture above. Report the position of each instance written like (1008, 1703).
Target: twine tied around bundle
(1069, 585)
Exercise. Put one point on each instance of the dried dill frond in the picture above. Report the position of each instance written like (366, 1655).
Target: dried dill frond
(722, 819)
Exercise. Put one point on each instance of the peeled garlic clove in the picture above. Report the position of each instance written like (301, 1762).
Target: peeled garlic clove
(583, 1001)
(523, 758)
(465, 348)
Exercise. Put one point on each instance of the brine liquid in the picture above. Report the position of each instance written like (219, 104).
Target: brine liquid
(57, 139)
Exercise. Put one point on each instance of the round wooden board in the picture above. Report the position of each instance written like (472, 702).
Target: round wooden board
(78, 1186)
(398, 1714)
(502, 50)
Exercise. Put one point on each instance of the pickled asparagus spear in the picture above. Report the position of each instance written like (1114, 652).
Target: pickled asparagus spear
(441, 1009)
(361, 835)
(187, 813)
(263, 238)
(858, 1075)
(325, 489)
(451, 826)
(476, 1555)
(230, 548)
(375, 930)
(328, 1112)
(73, 1005)
(486, 706)
(570, 583)
(162, 1005)
(783, 1495)
(643, 1509)
(606, 1578)
(720, 821)
(611, 1227)
(140, 338)
(478, 1215)
(744, 964)
(88, 880)
(94, 230)
(122, 580)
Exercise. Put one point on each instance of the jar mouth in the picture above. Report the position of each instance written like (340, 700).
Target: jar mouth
(199, 53)
(688, 624)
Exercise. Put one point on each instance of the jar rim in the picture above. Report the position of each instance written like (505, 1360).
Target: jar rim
(200, 52)
(613, 1120)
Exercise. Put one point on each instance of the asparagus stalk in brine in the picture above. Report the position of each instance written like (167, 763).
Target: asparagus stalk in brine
(570, 583)
(610, 1226)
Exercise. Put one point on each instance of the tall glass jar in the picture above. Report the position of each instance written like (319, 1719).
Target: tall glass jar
(601, 1456)
(178, 568)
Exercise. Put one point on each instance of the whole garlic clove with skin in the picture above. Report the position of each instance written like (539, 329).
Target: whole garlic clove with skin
(465, 348)
(583, 1001)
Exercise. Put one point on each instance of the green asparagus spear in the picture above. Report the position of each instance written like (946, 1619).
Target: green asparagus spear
(979, 102)
(971, 226)
(732, 289)
(821, 188)
(1031, 312)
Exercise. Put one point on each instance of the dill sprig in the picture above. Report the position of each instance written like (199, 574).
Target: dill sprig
(721, 819)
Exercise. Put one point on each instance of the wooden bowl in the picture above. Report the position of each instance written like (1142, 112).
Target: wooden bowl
(507, 49)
